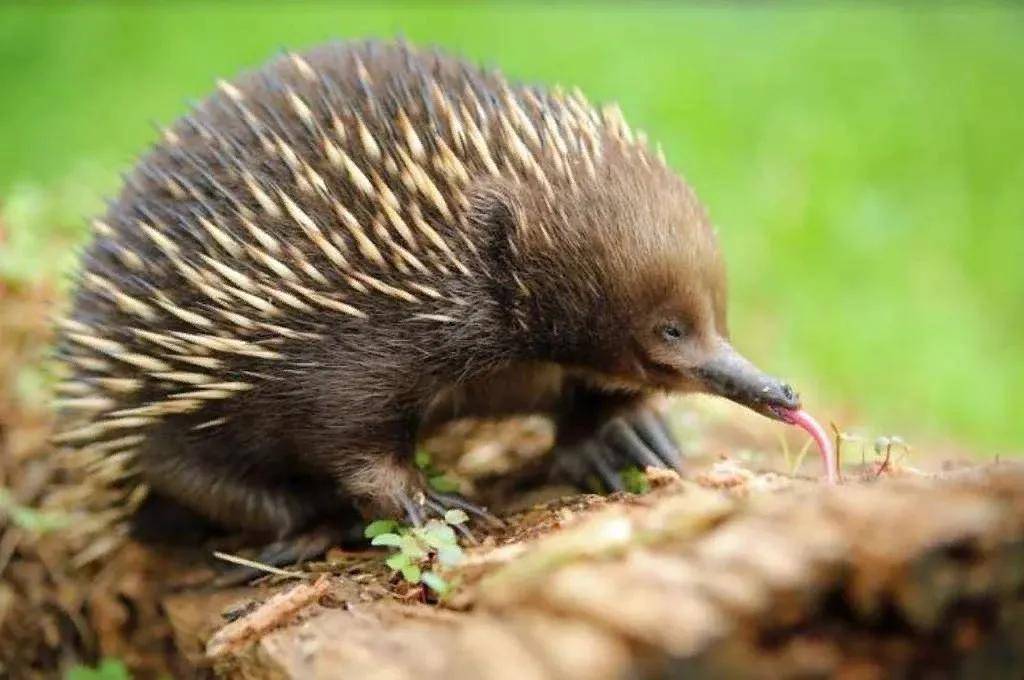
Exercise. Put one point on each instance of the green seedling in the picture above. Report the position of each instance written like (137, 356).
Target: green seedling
(416, 550)
(436, 477)
(30, 519)
(884, 447)
(634, 479)
(109, 669)
(443, 484)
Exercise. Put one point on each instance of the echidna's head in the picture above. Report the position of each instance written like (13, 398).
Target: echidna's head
(624, 280)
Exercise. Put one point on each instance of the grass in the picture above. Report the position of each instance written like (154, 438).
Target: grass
(109, 669)
(864, 162)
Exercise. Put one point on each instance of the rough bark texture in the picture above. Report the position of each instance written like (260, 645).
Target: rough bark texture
(732, 574)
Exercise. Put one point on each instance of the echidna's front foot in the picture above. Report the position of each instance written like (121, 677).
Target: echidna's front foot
(640, 439)
(423, 503)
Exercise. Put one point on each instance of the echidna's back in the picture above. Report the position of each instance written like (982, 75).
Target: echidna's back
(302, 172)
(314, 209)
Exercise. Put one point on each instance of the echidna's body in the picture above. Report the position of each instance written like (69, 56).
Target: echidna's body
(334, 249)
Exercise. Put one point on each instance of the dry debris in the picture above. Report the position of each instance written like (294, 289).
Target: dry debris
(273, 613)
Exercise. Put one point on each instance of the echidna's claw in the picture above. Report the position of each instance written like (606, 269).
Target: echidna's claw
(449, 501)
(441, 510)
(625, 440)
(653, 429)
(641, 439)
(600, 458)
(423, 503)
(412, 509)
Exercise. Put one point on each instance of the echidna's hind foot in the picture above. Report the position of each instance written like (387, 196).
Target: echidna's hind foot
(253, 506)
(641, 438)
(160, 520)
(235, 484)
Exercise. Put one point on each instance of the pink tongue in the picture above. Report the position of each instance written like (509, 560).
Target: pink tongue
(806, 422)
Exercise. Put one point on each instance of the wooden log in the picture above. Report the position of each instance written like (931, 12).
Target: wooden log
(918, 573)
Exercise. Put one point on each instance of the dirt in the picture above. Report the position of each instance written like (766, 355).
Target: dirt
(915, 564)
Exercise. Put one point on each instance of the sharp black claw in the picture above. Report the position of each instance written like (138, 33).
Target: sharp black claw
(440, 509)
(411, 509)
(641, 438)
(453, 501)
(627, 442)
(602, 467)
(655, 432)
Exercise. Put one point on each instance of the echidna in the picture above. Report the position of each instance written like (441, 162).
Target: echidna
(334, 252)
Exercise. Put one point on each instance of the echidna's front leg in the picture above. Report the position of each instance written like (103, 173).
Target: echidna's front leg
(600, 434)
(389, 485)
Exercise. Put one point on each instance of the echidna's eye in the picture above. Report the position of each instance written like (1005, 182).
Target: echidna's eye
(671, 332)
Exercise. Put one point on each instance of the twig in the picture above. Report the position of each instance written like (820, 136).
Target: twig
(273, 613)
(840, 437)
(252, 564)
(785, 451)
(885, 462)
(800, 456)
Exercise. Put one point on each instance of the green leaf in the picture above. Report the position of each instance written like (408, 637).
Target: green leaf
(392, 540)
(456, 516)
(398, 561)
(411, 573)
(444, 484)
(31, 519)
(422, 459)
(410, 546)
(435, 582)
(438, 535)
(635, 480)
(36, 521)
(450, 555)
(380, 526)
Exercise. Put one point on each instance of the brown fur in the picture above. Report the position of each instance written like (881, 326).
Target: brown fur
(555, 244)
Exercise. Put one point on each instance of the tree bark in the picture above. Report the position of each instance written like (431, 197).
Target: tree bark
(754, 576)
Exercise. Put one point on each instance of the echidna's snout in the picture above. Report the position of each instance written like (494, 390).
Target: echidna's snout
(729, 374)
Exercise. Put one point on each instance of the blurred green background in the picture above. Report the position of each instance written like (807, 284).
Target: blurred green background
(864, 163)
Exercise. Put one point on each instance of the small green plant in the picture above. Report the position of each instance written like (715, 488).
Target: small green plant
(30, 519)
(109, 669)
(416, 549)
(436, 477)
(884, 448)
(634, 479)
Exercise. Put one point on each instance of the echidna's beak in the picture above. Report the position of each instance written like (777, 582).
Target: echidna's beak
(729, 374)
